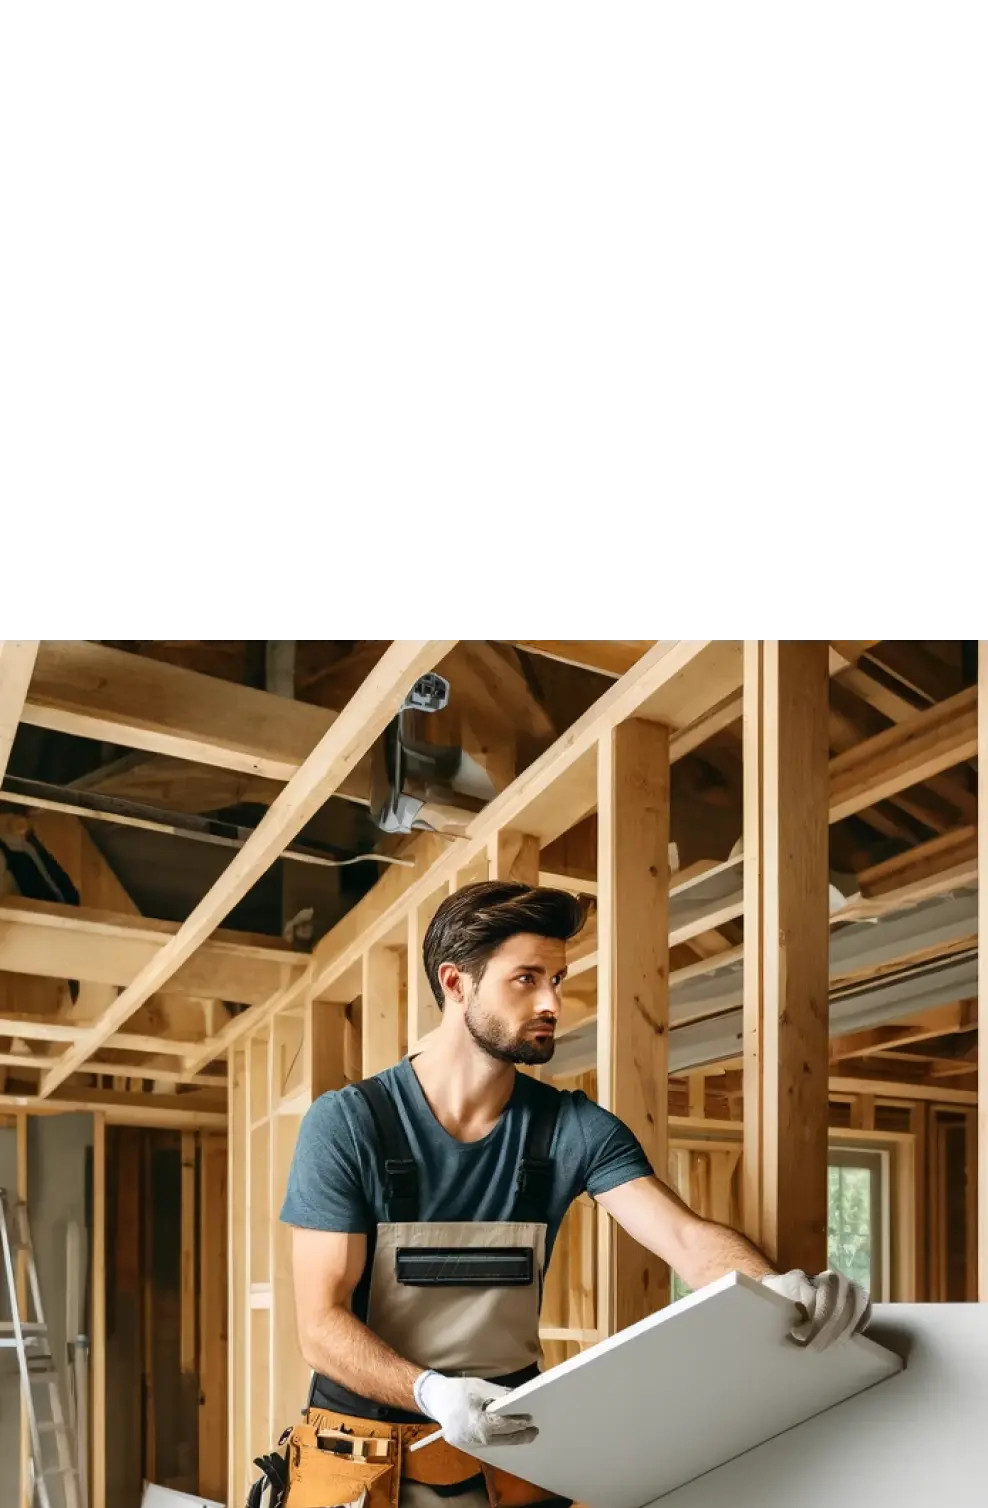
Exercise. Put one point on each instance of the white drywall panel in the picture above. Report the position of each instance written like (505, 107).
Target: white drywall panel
(678, 1394)
(917, 1440)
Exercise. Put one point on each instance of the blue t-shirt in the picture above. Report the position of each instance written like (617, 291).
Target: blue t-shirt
(335, 1179)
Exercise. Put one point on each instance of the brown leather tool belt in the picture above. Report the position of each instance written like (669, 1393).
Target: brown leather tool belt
(336, 1459)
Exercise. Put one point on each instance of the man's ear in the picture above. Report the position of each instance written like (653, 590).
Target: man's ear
(453, 981)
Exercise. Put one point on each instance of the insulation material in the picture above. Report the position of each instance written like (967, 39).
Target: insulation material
(680, 1393)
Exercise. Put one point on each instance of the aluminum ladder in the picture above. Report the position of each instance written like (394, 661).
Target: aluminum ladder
(55, 1482)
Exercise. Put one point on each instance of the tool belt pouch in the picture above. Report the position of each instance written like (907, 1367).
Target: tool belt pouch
(334, 1460)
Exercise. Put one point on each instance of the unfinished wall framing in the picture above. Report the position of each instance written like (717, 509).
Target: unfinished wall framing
(700, 1005)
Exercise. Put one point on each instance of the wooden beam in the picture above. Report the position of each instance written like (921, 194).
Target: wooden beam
(957, 847)
(167, 1111)
(891, 1091)
(98, 1308)
(905, 755)
(213, 1331)
(47, 939)
(611, 657)
(982, 1144)
(786, 1031)
(633, 990)
(119, 698)
(17, 659)
(381, 1017)
(672, 685)
(334, 756)
(54, 1029)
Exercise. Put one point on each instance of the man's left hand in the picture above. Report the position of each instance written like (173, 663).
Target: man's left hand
(835, 1308)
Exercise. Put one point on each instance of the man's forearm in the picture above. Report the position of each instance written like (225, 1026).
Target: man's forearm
(343, 1348)
(709, 1250)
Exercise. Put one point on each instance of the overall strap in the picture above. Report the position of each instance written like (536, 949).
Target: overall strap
(399, 1174)
(535, 1168)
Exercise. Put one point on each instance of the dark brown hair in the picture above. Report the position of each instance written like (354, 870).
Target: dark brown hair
(472, 924)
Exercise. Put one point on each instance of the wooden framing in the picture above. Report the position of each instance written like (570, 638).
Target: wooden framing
(787, 979)
(353, 1004)
(17, 659)
(98, 1411)
(22, 1301)
(314, 782)
(633, 989)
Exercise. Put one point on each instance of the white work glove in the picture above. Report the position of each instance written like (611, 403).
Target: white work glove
(459, 1405)
(835, 1308)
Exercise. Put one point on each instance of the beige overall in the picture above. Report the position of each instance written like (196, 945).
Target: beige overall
(462, 1298)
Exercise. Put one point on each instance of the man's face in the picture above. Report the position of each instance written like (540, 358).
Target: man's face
(513, 1011)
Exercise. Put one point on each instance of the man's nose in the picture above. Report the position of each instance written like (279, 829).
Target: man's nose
(549, 1003)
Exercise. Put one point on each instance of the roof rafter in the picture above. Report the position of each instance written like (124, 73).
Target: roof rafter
(334, 757)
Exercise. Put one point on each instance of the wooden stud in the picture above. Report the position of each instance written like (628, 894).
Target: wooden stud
(982, 933)
(753, 964)
(238, 1315)
(971, 1205)
(919, 1126)
(147, 1315)
(98, 1308)
(514, 857)
(187, 1297)
(424, 1014)
(214, 1276)
(22, 1300)
(17, 661)
(786, 1038)
(633, 989)
(381, 1034)
(324, 1042)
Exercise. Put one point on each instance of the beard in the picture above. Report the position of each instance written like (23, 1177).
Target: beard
(493, 1037)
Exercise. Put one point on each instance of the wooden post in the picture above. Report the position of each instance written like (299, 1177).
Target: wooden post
(187, 1297)
(787, 973)
(633, 989)
(22, 1302)
(380, 994)
(753, 701)
(213, 1332)
(424, 1014)
(98, 1356)
(324, 1046)
(982, 933)
(515, 857)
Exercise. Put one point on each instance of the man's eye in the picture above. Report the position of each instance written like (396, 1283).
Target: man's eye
(557, 980)
(526, 979)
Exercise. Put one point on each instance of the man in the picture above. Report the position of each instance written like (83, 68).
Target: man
(425, 1203)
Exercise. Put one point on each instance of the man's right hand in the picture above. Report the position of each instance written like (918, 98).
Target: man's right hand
(459, 1406)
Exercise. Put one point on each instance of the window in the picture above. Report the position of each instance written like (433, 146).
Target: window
(857, 1221)
(857, 1227)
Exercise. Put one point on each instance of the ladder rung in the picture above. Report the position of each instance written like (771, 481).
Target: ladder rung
(28, 1327)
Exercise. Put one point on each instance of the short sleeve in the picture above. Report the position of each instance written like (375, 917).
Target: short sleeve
(325, 1190)
(614, 1153)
